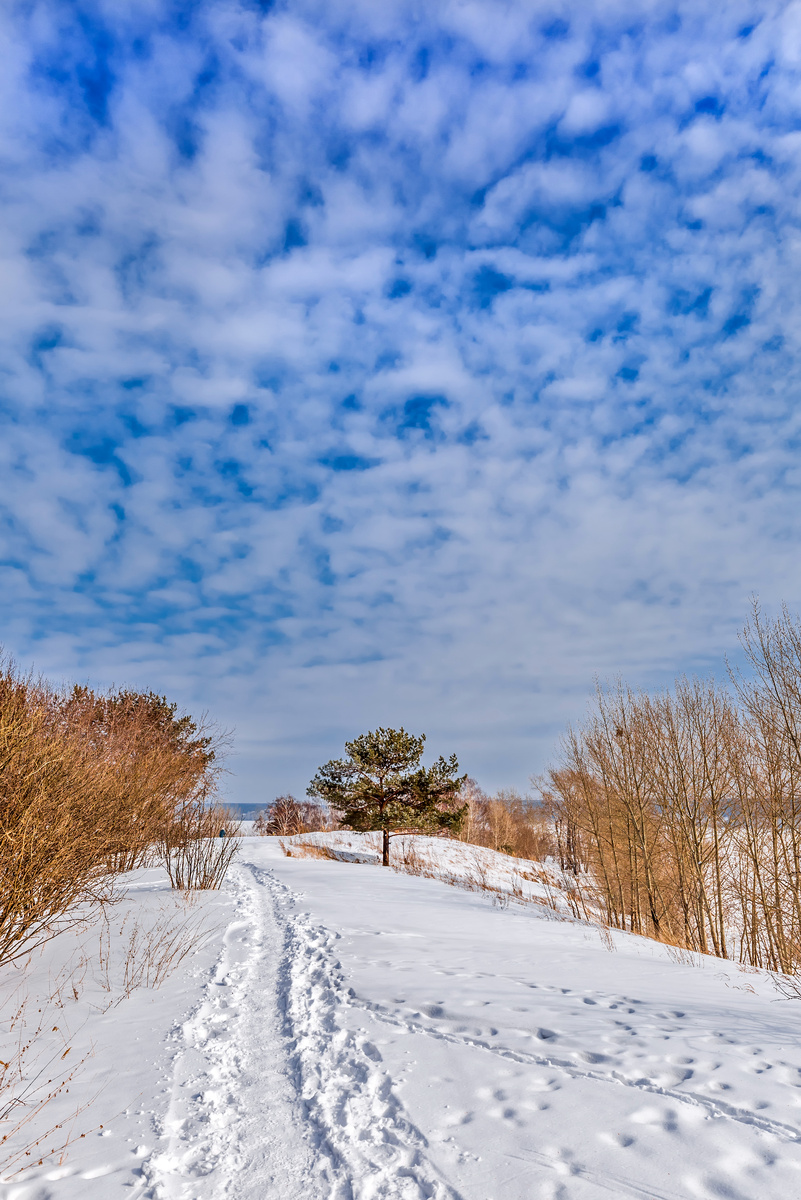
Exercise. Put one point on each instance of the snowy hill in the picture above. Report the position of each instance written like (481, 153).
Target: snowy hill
(353, 1032)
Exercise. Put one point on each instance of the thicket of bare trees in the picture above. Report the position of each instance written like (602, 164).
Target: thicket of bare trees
(91, 785)
(506, 821)
(679, 813)
(287, 816)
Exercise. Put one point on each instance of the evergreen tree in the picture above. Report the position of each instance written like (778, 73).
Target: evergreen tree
(382, 786)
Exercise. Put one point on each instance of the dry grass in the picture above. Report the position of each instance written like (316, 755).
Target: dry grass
(409, 859)
(686, 958)
(148, 953)
(306, 849)
(679, 814)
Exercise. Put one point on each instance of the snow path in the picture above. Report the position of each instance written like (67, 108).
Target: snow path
(234, 1123)
(269, 1095)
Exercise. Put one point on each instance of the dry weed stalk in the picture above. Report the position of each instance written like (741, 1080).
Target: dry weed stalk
(478, 878)
(149, 952)
(408, 859)
(606, 938)
(687, 958)
(30, 1079)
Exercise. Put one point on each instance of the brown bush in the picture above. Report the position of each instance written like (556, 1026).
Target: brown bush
(90, 785)
(52, 842)
(156, 763)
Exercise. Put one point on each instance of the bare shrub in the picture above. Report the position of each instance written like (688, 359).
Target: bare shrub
(645, 793)
(88, 785)
(287, 817)
(682, 810)
(199, 844)
(52, 836)
(151, 761)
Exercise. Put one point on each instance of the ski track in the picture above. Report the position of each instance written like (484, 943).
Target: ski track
(269, 1095)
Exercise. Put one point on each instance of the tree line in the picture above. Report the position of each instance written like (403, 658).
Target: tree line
(678, 814)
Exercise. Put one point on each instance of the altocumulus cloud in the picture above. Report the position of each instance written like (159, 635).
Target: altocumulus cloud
(374, 363)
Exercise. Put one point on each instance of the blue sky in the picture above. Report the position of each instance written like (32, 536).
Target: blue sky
(396, 363)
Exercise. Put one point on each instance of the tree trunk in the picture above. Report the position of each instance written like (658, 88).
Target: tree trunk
(385, 851)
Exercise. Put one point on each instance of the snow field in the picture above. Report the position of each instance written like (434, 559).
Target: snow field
(538, 1063)
(353, 1033)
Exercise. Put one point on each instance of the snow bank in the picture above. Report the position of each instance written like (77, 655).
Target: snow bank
(475, 868)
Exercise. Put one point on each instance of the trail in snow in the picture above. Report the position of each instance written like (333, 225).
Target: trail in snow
(234, 1125)
(269, 1096)
(376, 1149)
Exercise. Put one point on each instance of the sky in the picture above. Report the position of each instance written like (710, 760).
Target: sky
(396, 363)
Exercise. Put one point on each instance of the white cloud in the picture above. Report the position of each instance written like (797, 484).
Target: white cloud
(614, 326)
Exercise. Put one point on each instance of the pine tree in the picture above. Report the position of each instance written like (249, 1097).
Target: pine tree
(382, 786)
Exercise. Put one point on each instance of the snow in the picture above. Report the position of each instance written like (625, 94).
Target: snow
(351, 1032)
